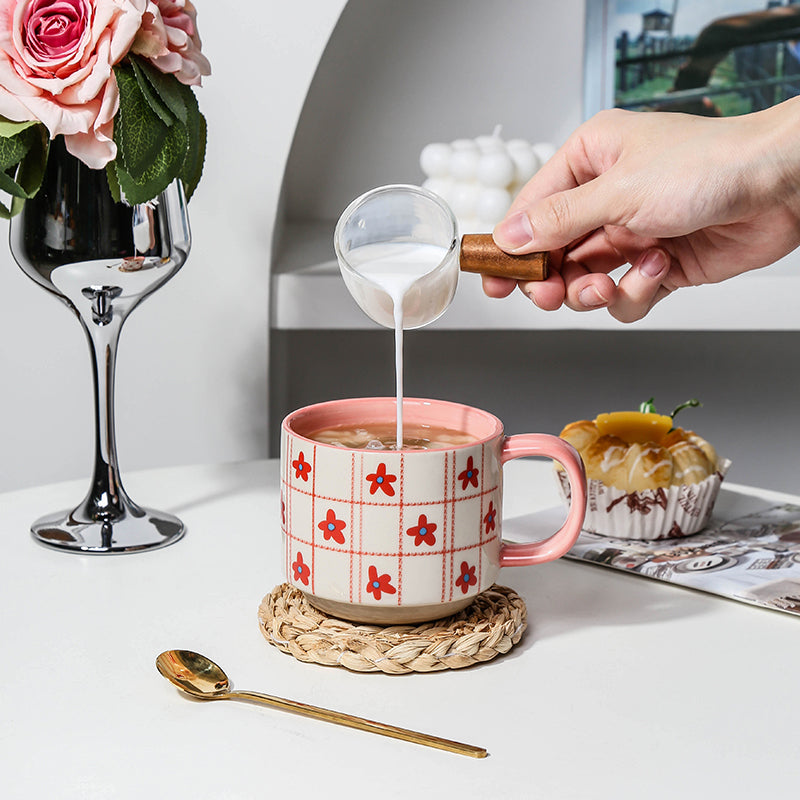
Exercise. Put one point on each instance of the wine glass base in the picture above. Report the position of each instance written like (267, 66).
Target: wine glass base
(130, 531)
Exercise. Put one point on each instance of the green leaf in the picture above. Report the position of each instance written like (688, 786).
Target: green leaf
(10, 128)
(192, 169)
(10, 186)
(113, 182)
(164, 169)
(23, 158)
(156, 104)
(6, 212)
(169, 89)
(31, 169)
(6, 183)
(17, 204)
(138, 132)
(195, 160)
(14, 148)
(159, 131)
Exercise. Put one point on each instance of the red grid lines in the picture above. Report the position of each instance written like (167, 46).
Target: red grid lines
(300, 499)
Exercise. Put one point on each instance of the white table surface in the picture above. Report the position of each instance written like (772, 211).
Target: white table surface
(622, 687)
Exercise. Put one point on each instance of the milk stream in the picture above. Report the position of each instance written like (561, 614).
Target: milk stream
(393, 269)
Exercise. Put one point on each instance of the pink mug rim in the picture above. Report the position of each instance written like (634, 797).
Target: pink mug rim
(482, 425)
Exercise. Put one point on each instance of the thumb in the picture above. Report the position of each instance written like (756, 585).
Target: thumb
(559, 219)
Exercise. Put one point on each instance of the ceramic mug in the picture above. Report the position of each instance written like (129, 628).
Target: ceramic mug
(404, 536)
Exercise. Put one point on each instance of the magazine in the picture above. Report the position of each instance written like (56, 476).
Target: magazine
(749, 552)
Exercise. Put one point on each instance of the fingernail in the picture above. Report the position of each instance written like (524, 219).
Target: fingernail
(514, 232)
(590, 297)
(653, 263)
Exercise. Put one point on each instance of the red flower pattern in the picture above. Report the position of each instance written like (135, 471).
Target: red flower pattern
(491, 517)
(332, 528)
(423, 531)
(466, 578)
(469, 475)
(379, 584)
(381, 480)
(302, 469)
(301, 570)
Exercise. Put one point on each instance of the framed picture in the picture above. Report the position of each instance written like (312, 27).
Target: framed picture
(710, 57)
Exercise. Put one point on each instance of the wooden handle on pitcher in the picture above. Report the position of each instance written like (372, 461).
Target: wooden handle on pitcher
(480, 254)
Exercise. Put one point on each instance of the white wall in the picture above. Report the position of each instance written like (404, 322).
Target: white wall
(191, 382)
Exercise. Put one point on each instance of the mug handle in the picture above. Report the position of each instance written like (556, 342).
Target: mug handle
(544, 444)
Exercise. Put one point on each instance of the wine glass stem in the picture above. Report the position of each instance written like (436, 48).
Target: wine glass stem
(106, 499)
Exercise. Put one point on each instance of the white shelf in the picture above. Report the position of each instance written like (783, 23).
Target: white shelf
(308, 294)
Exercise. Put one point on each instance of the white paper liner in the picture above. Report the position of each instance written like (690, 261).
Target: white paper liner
(667, 513)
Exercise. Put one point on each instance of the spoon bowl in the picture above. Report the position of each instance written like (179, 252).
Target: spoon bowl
(200, 677)
(193, 673)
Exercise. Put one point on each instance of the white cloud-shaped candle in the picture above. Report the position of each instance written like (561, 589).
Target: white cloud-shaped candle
(479, 178)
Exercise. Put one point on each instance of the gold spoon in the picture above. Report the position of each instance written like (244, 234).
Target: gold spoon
(202, 678)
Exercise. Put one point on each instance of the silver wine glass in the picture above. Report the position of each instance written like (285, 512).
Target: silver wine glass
(101, 258)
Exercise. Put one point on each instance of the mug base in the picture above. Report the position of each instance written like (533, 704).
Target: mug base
(380, 615)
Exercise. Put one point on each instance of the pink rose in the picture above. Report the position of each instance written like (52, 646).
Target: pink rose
(169, 38)
(56, 59)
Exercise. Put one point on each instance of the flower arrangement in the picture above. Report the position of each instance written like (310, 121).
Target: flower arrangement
(115, 78)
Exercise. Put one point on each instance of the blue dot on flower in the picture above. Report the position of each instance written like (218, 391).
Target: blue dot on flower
(331, 526)
(376, 584)
(379, 480)
(423, 531)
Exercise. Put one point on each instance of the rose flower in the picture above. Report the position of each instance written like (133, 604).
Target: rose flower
(169, 38)
(56, 59)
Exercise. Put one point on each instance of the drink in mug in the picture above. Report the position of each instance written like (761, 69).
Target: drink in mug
(379, 436)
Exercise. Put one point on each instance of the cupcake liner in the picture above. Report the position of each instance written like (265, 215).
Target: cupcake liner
(666, 513)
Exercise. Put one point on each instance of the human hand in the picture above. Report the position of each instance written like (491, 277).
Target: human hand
(685, 200)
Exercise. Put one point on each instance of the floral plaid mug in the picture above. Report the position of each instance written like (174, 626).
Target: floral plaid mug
(402, 536)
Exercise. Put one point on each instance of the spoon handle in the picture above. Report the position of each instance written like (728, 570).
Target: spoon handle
(360, 723)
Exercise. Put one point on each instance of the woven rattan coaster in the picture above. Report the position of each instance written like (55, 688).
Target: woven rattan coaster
(491, 625)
